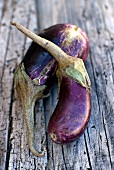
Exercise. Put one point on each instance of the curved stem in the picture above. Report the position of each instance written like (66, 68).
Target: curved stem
(29, 93)
(57, 53)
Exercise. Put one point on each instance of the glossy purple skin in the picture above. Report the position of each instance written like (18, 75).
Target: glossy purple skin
(72, 113)
(37, 58)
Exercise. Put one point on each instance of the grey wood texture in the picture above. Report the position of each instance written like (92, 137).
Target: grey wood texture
(94, 150)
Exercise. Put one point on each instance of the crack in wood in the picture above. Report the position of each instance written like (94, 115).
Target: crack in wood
(103, 118)
(88, 154)
(9, 129)
(64, 157)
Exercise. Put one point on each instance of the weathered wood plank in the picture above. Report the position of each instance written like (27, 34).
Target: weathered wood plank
(103, 84)
(5, 98)
(15, 154)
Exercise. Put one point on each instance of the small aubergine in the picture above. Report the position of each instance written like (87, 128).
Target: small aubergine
(72, 112)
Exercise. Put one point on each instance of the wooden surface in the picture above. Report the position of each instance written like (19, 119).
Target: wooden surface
(95, 149)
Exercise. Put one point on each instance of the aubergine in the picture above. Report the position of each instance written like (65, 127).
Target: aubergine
(72, 112)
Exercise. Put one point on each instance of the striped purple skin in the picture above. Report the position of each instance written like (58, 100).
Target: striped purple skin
(40, 64)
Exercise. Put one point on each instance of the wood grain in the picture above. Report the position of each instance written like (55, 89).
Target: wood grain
(94, 150)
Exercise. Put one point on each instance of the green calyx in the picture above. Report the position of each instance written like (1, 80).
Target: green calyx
(77, 71)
